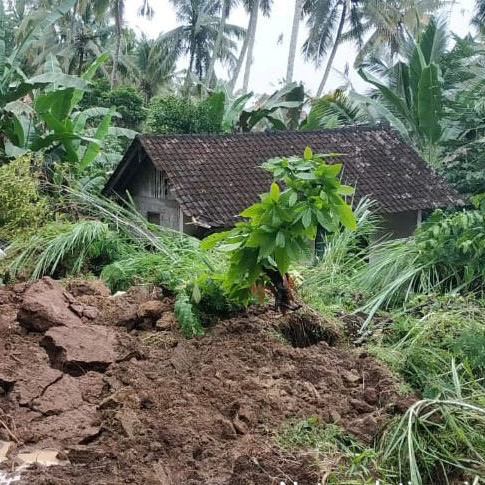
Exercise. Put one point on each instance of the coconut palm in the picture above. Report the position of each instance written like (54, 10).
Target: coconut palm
(116, 10)
(155, 65)
(196, 36)
(388, 23)
(479, 19)
(294, 40)
(253, 7)
(326, 20)
(226, 7)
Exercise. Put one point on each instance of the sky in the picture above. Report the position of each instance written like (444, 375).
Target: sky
(271, 53)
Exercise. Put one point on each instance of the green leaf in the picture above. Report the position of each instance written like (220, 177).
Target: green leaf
(280, 239)
(59, 79)
(308, 153)
(332, 170)
(429, 103)
(226, 248)
(196, 294)
(94, 148)
(305, 176)
(347, 217)
(307, 218)
(211, 241)
(293, 199)
(282, 260)
(275, 192)
(345, 190)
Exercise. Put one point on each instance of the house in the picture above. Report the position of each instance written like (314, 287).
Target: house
(200, 183)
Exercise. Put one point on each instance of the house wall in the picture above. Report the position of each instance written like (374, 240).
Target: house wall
(398, 225)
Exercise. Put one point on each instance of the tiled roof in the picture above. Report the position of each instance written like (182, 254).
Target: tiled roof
(214, 177)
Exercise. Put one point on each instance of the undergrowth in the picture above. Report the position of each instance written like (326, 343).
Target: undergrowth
(338, 457)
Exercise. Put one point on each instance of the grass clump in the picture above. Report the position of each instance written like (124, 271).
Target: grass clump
(328, 285)
(338, 456)
(441, 440)
(420, 346)
(446, 255)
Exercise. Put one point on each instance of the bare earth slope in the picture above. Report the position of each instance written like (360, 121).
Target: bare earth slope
(108, 383)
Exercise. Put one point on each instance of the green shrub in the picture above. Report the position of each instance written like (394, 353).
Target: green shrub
(175, 114)
(277, 230)
(446, 254)
(22, 207)
(129, 104)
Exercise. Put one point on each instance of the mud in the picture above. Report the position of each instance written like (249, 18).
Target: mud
(117, 396)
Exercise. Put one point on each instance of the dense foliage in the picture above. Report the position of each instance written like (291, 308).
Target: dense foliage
(22, 206)
(278, 229)
(76, 84)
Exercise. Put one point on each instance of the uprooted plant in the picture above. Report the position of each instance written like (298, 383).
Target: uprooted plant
(277, 231)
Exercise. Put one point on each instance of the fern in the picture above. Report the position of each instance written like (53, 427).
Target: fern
(187, 316)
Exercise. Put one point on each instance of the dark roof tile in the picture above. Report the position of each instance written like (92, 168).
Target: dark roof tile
(214, 177)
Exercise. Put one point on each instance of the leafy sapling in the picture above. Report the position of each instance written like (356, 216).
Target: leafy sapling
(306, 194)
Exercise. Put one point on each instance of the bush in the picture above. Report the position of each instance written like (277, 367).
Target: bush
(127, 101)
(278, 229)
(175, 114)
(129, 104)
(446, 254)
(22, 207)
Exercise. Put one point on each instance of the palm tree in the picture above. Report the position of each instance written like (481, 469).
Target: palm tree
(116, 9)
(226, 7)
(479, 19)
(253, 7)
(388, 23)
(155, 65)
(326, 22)
(294, 40)
(197, 34)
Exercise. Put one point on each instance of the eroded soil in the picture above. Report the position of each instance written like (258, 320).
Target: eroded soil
(109, 383)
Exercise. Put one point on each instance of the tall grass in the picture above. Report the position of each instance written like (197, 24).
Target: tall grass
(446, 255)
(66, 248)
(329, 280)
(440, 440)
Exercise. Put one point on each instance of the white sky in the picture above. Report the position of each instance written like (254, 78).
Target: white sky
(270, 58)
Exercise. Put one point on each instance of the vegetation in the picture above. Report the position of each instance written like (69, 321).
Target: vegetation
(77, 84)
(279, 228)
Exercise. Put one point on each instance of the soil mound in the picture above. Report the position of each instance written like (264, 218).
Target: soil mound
(105, 386)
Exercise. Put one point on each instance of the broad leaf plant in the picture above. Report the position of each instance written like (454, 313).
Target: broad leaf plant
(277, 231)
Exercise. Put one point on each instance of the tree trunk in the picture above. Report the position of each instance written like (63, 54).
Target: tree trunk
(119, 29)
(294, 41)
(241, 58)
(217, 46)
(252, 38)
(186, 89)
(336, 44)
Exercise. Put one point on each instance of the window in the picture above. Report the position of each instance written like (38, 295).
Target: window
(153, 218)
(159, 185)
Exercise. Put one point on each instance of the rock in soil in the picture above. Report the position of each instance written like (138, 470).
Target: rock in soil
(194, 412)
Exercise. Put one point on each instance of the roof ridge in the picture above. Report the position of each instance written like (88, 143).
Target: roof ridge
(343, 129)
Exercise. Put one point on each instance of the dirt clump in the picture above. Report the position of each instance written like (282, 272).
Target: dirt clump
(124, 405)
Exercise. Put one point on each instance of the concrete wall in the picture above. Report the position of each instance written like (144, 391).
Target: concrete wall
(398, 225)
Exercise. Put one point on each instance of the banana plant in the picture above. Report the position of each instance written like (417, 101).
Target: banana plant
(279, 111)
(411, 100)
(51, 123)
(14, 86)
